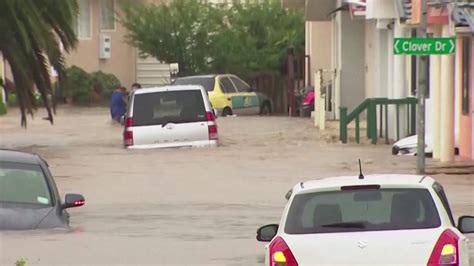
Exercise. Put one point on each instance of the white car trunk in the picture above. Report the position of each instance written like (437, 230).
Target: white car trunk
(172, 135)
(403, 247)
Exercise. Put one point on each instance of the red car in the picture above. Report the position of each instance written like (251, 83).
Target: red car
(307, 106)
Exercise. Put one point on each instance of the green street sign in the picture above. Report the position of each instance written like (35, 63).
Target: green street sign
(424, 46)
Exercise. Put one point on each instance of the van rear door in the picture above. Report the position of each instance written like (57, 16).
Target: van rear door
(173, 118)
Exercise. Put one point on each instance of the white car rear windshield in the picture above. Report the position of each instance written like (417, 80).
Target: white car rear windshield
(352, 210)
(161, 108)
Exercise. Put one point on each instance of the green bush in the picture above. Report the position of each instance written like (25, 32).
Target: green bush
(104, 84)
(78, 85)
(3, 108)
(12, 100)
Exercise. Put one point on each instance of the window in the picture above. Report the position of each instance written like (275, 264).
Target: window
(466, 57)
(207, 83)
(24, 184)
(240, 85)
(227, 86)
(168, 107)
(362, 210)
(107, 15)
(83, 24)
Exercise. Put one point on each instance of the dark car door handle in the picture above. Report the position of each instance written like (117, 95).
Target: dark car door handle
(228, 99)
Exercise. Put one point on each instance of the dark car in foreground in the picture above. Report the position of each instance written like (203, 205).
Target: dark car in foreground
(29, 198)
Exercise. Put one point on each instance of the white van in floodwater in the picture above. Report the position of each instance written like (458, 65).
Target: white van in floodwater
(168, 117)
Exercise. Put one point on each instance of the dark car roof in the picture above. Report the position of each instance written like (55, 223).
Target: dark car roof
(12, 156)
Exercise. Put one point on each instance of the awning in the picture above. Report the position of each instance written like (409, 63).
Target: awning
(463, 15)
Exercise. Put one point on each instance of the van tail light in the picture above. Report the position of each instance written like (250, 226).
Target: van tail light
(212, 126)
(446, 250)
(128, 132)
(280, 253)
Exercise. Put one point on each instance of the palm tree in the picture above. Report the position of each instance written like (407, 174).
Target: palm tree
(32, 33)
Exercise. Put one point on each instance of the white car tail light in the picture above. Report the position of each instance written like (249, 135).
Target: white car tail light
(128, 132)
(280, 253)
(212, 127)
(445, 251)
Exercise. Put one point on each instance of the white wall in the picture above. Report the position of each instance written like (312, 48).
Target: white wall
(318, 45)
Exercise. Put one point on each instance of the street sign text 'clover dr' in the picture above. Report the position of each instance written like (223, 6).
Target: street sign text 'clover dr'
(424, 46)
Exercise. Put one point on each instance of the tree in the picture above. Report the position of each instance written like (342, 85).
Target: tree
(203, 38)
(32, 34)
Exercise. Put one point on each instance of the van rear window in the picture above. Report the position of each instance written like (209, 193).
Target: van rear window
(352, 210)
(161, 108)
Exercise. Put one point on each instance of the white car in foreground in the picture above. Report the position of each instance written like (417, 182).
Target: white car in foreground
(170, 116)
(372, 220)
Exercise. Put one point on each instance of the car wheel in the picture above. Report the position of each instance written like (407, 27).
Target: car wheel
(226, 112)
(266, 109)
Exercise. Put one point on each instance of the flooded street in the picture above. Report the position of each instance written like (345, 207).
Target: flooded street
(182, 206)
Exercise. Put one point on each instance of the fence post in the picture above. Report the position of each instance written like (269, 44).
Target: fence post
(372, 121)
(343, 124)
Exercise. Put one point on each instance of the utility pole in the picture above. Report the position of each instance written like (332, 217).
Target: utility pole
(421, 93)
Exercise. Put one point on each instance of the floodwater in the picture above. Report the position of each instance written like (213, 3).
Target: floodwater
(182, 206)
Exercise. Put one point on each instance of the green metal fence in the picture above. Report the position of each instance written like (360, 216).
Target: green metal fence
(371, 105)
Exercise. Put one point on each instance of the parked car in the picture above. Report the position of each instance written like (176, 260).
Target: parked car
(408, 145)
(170, 116)
(372, 220)
(29, 198)
(230, 95)
(306, 103)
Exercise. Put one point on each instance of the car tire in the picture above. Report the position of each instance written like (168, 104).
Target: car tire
(266, 109)
(226, 112)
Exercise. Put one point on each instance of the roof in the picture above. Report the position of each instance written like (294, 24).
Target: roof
(383, 180)
(463, 14)
(169, 88)
(404, 9)
(12, 156)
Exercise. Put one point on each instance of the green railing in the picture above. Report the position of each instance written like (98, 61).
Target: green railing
(371, 105)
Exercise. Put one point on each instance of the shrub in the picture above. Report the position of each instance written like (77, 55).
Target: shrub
(78, 85)
(104, 84)
(12, 100)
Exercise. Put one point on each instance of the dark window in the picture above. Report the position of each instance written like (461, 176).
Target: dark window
(227, 86)
(414, 81)
(442, 196)
(168, 107)
(466, 57)
(362, 210)
(23, 183)
(206, 82)
(240, 85)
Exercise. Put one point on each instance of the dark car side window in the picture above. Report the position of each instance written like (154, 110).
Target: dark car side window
(442, 196)
(226, 85)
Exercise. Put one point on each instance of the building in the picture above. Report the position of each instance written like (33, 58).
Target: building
(102, 46)
(463, 17)
(359, 37)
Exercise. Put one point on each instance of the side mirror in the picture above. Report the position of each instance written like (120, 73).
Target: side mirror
(466, 224)
(267, 232)
(73, 200)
